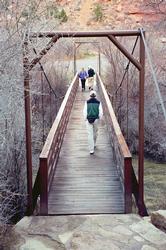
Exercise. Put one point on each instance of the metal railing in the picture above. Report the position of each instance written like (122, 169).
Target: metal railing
(122, 154)
(50, 153)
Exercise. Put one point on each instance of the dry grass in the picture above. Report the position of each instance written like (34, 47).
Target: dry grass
(155, 185)
(8, 237)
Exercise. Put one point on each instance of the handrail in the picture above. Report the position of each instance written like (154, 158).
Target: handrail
(124, 148)
(56, 123)
(122, 153)
(50, 153)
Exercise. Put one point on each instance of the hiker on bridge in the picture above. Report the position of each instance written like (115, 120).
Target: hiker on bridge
(83, 75)
(92, 113)
(91, 74)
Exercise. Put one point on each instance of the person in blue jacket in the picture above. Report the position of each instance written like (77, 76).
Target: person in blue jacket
(83, 75)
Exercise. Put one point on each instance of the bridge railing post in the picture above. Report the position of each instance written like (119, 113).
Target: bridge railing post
(128, 184)
(28, 126)
(141, 128)
(43, 186)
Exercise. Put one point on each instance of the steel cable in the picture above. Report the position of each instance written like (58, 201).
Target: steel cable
(41, 66)
(153, 74)
(127, 67)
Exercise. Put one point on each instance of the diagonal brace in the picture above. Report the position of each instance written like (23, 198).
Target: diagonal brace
(43, 52)
(124, 51)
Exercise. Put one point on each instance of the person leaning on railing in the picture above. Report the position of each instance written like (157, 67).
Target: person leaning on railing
(92, 113)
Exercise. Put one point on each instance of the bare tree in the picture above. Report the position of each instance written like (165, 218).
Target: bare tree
(17, 19)
(158, 6)
(154, 121)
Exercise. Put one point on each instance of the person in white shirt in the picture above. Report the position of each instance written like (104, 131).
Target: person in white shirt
(92, 112)
(91, 74)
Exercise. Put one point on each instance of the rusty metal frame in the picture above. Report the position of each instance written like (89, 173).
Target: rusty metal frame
(124, 51)
(28, 66)
(75, 51)
(27, 126)
(141, 127)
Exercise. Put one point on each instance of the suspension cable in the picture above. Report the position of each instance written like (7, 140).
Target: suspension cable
(41, 66)
(153, 74)
(127, 67)
(127, 125)
(42, 96)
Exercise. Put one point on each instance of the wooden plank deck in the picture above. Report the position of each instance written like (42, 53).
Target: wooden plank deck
(84, 183)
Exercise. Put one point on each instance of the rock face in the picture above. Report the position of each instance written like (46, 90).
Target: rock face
(100, 232)
(159, 219)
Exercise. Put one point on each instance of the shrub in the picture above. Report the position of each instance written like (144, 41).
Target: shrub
(98, 12)
(25, 13)
(53, 11)
(31, 10)
(63, 16)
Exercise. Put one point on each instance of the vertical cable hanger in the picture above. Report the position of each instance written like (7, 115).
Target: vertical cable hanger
(127, 113)
(120, 105)
(42, 90)
(50, 107)
(127, 67)
(41, 67)
(120, 85)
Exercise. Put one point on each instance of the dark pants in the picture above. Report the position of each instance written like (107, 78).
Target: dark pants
(83, 83)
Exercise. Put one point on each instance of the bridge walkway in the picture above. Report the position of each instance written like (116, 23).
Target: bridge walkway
(84, 183)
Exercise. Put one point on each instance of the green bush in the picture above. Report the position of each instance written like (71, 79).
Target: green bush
(53, 11)
(31, 10)
(98, 13)
(63, 16)
(25, 13)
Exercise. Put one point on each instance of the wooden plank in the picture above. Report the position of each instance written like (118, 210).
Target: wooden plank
(94, 192)
(88, 211)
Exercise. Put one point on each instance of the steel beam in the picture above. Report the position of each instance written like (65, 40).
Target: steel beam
(43, 170)
(128, 184)
(140, 65)
(141, 128)
(75, 51)
(85, 33)
(124, 51)
(43, 52)
(28, 126)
